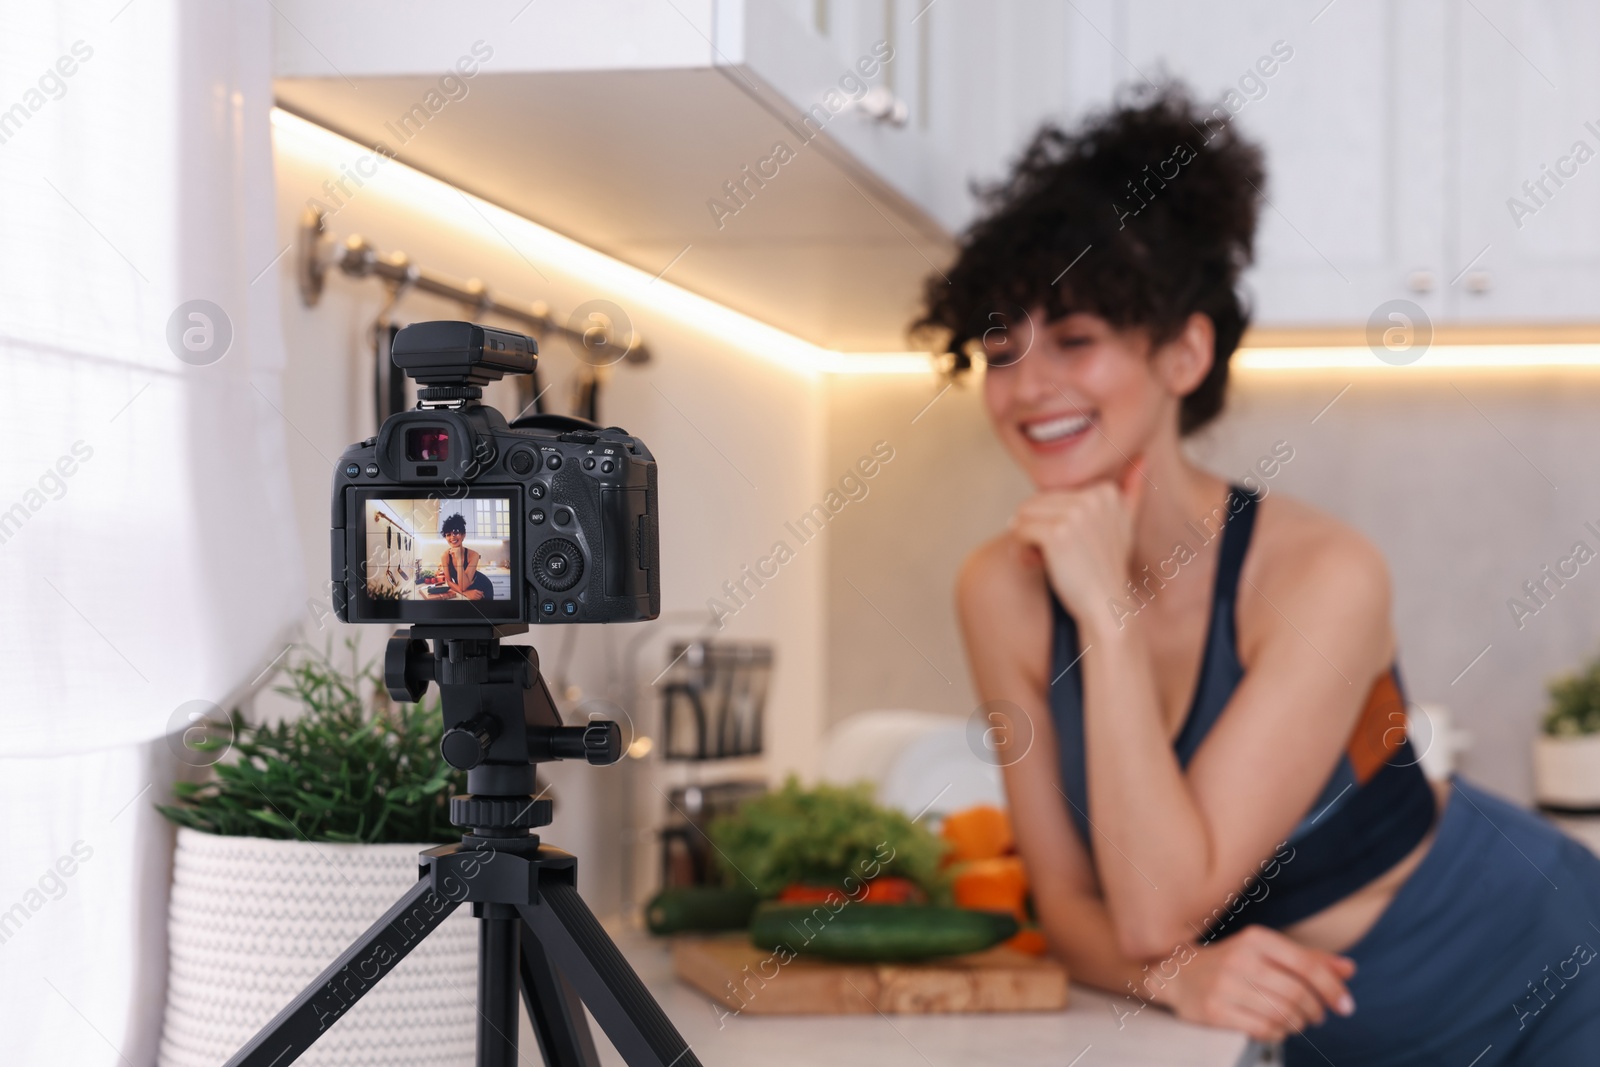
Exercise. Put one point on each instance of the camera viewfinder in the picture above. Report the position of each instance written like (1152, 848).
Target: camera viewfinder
(428, 444)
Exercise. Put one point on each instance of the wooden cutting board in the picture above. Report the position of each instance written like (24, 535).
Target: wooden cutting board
(752, 981)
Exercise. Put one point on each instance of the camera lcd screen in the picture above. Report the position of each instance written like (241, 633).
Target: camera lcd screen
(434, 558)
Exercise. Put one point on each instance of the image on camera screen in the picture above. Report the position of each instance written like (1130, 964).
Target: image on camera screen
(434, 550)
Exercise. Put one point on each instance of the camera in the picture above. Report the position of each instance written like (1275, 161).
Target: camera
(453, 515)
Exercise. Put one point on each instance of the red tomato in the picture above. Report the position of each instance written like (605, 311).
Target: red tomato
(877, 891)
(891, 891)
(808, 894)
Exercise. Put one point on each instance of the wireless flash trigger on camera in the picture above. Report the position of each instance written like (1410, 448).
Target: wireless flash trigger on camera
(469, 528)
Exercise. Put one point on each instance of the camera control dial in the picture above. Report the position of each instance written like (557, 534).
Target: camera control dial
(557, 564)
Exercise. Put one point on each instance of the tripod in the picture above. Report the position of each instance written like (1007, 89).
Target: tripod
(535, 932)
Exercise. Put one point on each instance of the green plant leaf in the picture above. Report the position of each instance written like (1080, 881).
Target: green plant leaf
(351, 768)
(822, 836)
(1575, 703)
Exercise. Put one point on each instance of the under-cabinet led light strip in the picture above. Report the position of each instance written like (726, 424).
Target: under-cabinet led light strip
(320, 147)
(633, 288)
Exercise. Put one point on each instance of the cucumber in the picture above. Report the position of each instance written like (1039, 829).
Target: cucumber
(700, 908)
(869, 932)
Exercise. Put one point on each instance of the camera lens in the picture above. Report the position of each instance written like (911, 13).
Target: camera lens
(428, 444)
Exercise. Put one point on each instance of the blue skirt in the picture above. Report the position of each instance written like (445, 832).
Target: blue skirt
(1489, 954)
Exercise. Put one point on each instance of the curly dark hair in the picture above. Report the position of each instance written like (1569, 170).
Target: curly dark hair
(1159, 196)
(456, 523)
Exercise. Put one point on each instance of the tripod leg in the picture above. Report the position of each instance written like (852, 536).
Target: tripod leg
(555, 1009)
(581, 951)
(499, 931)
(334, 991)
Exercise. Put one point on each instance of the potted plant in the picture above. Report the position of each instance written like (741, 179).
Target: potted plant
(304, 834)
(1566, 756)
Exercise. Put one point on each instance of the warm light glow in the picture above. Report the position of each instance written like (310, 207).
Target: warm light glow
(325, 149)
(1437, 358)
(322, 148)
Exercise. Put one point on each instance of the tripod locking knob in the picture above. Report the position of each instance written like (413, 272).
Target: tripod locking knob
(600, 742)
(467, 745)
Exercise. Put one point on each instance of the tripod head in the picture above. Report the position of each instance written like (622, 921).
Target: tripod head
(500, 722)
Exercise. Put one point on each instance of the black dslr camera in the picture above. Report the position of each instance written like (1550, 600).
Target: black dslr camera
(468, 528)
(452, 515)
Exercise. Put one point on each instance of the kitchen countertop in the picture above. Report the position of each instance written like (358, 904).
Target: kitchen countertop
(1086, 1034)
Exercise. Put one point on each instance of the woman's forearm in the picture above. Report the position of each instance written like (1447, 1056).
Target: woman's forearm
(1150, 842)
(1081, 933)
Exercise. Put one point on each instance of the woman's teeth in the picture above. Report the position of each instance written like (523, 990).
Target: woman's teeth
(1055, 429)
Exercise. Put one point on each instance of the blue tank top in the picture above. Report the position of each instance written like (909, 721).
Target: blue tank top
(1376, 806)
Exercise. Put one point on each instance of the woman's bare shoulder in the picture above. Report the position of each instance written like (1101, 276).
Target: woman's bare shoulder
(1293, 529)
(1304, 558)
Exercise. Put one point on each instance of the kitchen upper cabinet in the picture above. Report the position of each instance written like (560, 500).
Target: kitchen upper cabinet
(716, 145)
(1399, 136)
(959, 86)
(1527, 165)
(1349, 106)
(1443, 151)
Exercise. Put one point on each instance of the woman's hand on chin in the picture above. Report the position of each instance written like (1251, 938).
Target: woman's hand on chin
(1085, 538)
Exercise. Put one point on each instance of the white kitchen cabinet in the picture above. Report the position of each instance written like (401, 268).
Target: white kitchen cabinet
(1395, 131)
(1527, 94)
(1350, 110)
(1396, 136)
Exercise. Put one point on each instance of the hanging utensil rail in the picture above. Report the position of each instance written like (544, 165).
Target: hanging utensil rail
(356, 257)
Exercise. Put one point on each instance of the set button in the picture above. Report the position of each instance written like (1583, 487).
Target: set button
(557, 565)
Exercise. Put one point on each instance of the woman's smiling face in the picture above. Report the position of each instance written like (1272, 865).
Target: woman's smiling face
(455, 537)
(1075, 400)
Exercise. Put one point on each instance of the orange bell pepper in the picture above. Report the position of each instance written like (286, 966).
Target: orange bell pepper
(979, 833)
(999, 883)
(1030, 941)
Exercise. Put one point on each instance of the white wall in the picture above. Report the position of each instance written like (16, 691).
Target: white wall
(737, 435)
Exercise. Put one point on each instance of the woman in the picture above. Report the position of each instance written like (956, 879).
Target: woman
(458, 568)
(1202, 725)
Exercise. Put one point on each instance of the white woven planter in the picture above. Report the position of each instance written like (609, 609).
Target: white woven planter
(254, 920)
(1566, 770)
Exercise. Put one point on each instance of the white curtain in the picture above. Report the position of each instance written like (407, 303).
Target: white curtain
(147, 552)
